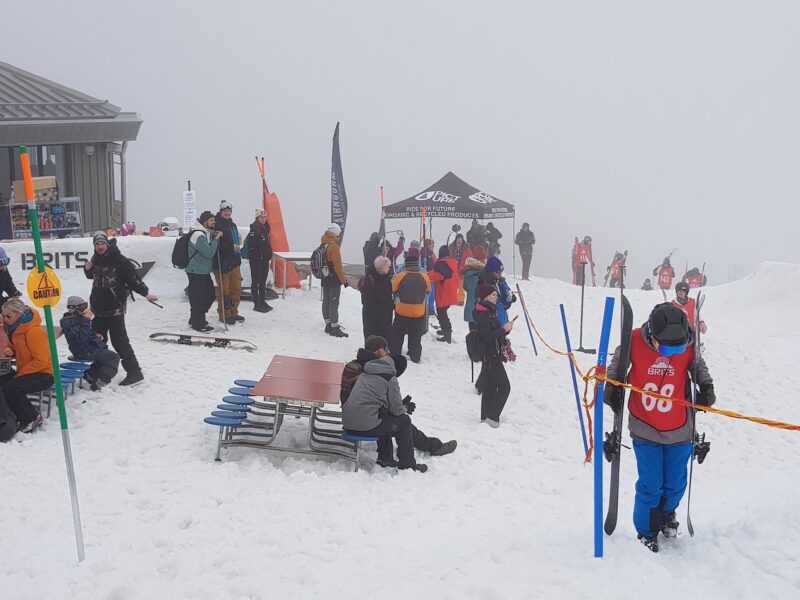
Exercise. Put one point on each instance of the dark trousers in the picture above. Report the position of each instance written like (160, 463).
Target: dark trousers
(415, 328)
(201, 297)
(330, 304)
(105, 365)
(259, 269)
(580, 272)
(495, 387)
(444, 320)
(15, 390)
(526, 265)
(421, 442)
(113, 328)
(399, 428)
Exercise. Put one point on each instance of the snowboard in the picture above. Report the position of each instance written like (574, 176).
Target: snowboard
(612, 445)
(203, 340)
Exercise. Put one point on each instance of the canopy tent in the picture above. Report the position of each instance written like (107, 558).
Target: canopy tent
(451, 197)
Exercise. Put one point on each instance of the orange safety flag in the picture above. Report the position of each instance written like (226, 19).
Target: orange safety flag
(280, 242)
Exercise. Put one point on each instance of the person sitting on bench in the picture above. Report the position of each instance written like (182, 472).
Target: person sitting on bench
(374, 406)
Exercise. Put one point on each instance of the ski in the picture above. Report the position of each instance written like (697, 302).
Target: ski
(188, 339)
(700, 446)
(612, 445)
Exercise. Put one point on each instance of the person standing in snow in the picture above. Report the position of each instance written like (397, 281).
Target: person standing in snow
(476, 235)
(113, 279)
(203, 242)
(494, 384)
(445, 277)
(86, 344)
(665, 274)
(259, 253)
(582, 256)
(493, 236)
(616, 269)
(695, 278)
(459, 250)
(647, 286)
(7, 287)
(492, 276)
(410, 287)
(228, 272)
(333, 282)
(369, 409)
(687, 304)
(662, 358)
(471, 272)
(525, 240)
(377, 304)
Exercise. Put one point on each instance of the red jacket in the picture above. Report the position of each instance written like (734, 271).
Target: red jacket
(446, 290)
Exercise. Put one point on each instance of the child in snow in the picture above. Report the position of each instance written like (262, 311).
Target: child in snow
(661, 357)
(86, 344)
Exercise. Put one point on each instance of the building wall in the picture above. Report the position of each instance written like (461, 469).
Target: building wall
(91, 181)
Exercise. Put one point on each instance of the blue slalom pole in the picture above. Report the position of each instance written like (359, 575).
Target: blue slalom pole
(574, 381)
(602, 353)
(527, 320)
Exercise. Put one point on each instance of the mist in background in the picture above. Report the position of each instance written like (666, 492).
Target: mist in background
(645, 125)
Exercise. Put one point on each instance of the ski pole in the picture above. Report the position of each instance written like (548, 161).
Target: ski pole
(574, 381)
(222, 292)
(156, 303)
(580, 341)
(527, 319)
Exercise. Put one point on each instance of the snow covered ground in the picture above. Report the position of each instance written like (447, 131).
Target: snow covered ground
(509, 515)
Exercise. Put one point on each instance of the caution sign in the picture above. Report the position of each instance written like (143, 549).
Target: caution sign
(44, 289)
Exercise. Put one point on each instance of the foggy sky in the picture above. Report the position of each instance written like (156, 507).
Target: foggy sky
(645, 125)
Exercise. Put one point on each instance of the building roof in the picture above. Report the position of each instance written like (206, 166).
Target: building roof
(35, 110)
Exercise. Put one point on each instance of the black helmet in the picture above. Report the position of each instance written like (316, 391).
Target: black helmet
(587, 239)
(682, 285)
(647, 280)
(669, 325)
(665, 262)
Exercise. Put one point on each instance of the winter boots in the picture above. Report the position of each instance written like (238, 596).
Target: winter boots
(336, 331)
(445, 336)
(262, 308)
(446, 448)
(132, 378)
(649, 541)
(669, 527)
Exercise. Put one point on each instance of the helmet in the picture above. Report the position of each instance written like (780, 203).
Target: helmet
(665, 262)
(587, 239)
(647, 280)
(669, 326)
(682, 286)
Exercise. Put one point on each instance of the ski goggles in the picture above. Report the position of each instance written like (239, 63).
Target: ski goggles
(665, 350)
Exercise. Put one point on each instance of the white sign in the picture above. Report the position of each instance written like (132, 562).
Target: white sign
(189, 210)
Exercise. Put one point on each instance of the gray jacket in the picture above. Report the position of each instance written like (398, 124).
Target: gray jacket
(641, 430)
(375, 390)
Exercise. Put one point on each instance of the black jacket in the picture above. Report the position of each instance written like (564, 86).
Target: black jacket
(476, 236)
(377, 303)
(525, 240)
(228, 257)
(113, 279)
(7, 286)
(372, 250)
(490, 334)
(493, 235)
(259, 246)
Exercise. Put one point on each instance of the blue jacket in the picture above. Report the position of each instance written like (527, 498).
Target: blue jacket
(83, 343)
(504, 296)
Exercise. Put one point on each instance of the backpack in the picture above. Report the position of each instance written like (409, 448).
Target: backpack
(352, 371)
(180, 251)
(474, 347)
(319, 262)
(8, 422)
(245, 249)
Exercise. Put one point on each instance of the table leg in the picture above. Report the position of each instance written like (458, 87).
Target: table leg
(284, 279)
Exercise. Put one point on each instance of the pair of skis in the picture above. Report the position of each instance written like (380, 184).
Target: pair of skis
(612, 445)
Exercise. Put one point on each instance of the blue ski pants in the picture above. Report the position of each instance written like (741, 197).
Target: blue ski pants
(661, 483)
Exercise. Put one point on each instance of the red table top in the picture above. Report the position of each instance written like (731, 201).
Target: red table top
(301, 379)
(307, 369)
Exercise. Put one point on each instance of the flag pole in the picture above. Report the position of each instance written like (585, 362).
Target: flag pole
(33, 216)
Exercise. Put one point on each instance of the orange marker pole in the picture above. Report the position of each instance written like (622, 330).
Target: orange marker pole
(33, 217)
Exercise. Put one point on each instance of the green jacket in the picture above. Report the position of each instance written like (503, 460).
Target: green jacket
(202, 251)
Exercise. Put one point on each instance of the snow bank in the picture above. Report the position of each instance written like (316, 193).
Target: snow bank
(508, 515)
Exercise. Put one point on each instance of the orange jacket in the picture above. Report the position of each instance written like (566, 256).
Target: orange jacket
(334, 256)
(31, 347)
(446, 289)
(411, 288)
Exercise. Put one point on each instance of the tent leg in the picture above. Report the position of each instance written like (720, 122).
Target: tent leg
(514, 250)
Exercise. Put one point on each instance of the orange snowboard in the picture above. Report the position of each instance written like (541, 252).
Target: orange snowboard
(279, 242)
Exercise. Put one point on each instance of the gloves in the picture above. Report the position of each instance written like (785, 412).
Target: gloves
(346, 284)
(615, 398)
(706, 397)
(410, 406)
(703, 327)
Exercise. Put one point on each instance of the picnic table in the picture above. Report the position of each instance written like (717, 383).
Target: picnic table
(294, 257)
(303, 388)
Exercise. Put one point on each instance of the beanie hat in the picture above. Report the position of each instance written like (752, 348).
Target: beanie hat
(381, 261)
(75, 302)
(682, 285)
(375, 343)
(479, 252)
(493, 265)
(334, 229)
(414, 244)
(205, 216)
(400, 364)
(100, 238)
(484, 290)
(225, 204)
(4, 259)
(444, 251)
(413, 253)
(260, 212)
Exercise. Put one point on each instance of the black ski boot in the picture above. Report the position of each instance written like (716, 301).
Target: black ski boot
(670, 526)
(337, 332)
(650, 541)
(328, 328)
(445, 337)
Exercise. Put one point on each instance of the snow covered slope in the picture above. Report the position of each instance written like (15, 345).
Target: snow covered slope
(509, 515)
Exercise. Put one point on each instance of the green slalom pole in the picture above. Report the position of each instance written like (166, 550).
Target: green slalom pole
(33, 216)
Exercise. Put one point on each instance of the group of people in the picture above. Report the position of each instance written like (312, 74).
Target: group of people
(214, 246)
(665, 273)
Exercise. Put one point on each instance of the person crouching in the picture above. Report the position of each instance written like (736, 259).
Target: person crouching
(86, 344)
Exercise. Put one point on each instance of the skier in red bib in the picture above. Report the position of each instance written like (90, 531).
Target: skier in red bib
(661, 357)
(665, 274)
(581, 255)
(695, 278)
(616, 269)
(687, 304)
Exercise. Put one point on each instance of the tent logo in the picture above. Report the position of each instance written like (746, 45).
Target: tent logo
(437, 196)
(482, 198)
